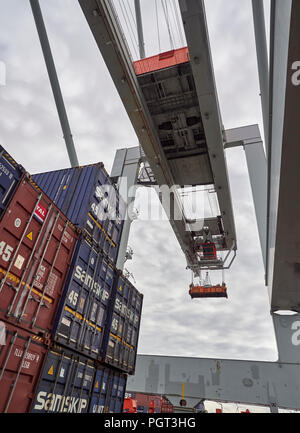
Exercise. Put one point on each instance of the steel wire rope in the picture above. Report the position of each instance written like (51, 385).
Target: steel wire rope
(134, 26)
(170, 22)
(157, 25)
(173, 21)
(174, 3)
(128, 29)
(223, 273)
(165, 9)
(171, 26)
(131, 13)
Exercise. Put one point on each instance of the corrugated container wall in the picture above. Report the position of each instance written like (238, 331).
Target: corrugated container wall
(121, 336)
(11, 174)
(65, 384)
(21, 358)
(36, 248)
(83, 312)
(166, 406)
(145, 400)
(90, 200)
(108, 391)
(73, 383)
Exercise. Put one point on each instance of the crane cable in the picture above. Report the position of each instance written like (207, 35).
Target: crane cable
(131, 13)
(176, 31)
(172, 19)
(165, 9)
(157, 25)
(129, 27)
(173, 22)
(177, 21)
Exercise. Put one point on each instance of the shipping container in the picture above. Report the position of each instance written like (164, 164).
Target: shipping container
(130, 394)
(130, 405)
(166, 406)
(11, 174)
(90, 200)
(21, 359)
(141, 409)
(121, 336)
(147, 401)
(36, 247)
(108, 391)
(65, 383)
(83, 312)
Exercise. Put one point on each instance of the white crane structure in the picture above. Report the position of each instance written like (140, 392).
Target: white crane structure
(177, 120)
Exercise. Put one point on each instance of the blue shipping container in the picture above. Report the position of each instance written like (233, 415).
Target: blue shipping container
(108, 391)
(11, 174)
(90, 200)
(83, 311)
(122, 333)
(65, 384)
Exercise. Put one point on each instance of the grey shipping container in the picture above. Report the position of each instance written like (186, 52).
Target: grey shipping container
(121, 336)
(90, 200)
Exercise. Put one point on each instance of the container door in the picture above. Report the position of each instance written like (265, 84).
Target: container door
(82, 316)
(21, 358)
(36, 246)
(65, 384)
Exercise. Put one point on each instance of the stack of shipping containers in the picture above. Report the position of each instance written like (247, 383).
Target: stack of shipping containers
(69, 320)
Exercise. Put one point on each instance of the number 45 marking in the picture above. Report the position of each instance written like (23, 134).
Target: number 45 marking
(5, 251)
(73, 296)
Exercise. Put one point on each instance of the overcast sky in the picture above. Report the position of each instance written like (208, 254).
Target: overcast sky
(172, 324)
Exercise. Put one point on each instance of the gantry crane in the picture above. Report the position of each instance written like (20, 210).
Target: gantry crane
(274, 384)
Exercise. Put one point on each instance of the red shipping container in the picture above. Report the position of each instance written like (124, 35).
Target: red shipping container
(22, 355)
(145, 399)
(37, 243)
(166, 406)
